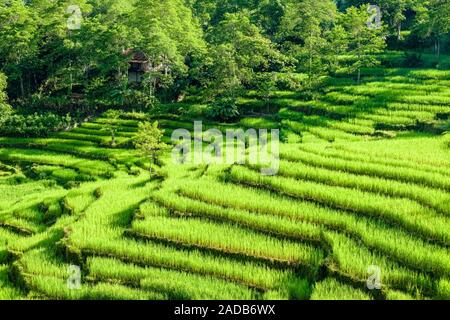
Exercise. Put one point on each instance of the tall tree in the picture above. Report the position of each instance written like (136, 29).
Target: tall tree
(18, 43)
(58, 66)
(269, 15)
(393, 12)
(365, 42)
(303, 30)
(5, 108)
(3, 96)
(104, 40)
(169, 34)
(148, 141)
(239, 49)
(433, 20)
(111, 125)
(338, 43)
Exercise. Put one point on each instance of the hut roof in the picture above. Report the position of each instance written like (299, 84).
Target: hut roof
(136, 56)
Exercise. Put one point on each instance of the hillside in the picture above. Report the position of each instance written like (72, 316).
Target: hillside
(364, 181)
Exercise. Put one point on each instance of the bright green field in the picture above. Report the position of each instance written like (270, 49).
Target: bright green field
(364, 180)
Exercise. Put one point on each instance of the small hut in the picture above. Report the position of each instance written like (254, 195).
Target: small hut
(139, 65)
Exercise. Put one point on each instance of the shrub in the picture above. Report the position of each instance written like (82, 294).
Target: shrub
(290, 81)
(98, 193)
(5, 109)
(111, 125)
(39, 102)
(223, 110)
(137, 98)
(36, 125)
(134, 115)
(149, 141)
(5, 113)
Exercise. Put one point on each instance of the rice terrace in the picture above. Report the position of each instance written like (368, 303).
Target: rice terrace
(225, 150)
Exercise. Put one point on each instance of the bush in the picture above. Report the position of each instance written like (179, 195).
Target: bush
(138, 98)
(223, 110)
(38, 102)
(5, 113)
(5, 109)
(3, 95)
(134, 115)
(60, 105)
(290, 81)
(36, 125)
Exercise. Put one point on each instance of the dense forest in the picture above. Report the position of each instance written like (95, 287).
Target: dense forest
(61, 60)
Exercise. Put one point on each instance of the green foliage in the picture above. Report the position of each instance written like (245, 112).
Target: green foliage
(5, 109)
(202, 44)
(111, 124)
(364, 42)
(35, 125)
(331, 289)
(148, 140)
(238, 50)
(182, 286)
(3, 95)
(224, 109)
(18, 39)
(290, 81)
(266, 86)
(220, 232)
(433, 19)
(305, 27)
(93, 60)
(363, 175)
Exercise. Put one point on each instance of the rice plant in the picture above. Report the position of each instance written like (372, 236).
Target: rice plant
(408, 214)
(228, 239)
(358, 186)
(402, 246)
(331, 289)
(182, 285)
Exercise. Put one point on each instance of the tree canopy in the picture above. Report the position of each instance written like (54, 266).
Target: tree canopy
(62, 53)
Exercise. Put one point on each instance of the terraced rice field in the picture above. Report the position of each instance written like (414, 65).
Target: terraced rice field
(364, 181)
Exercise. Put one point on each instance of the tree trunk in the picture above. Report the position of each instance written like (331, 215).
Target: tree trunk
(70, 78)
(310, 60)
(152, 161)
(399, 32)
(113, 139)
(22, 89)
(310, 72)
(359, 62)
(438, 44)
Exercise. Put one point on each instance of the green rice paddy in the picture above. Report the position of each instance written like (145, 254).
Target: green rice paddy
(364, 181)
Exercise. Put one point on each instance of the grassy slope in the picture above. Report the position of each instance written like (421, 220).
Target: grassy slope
(364, 180)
